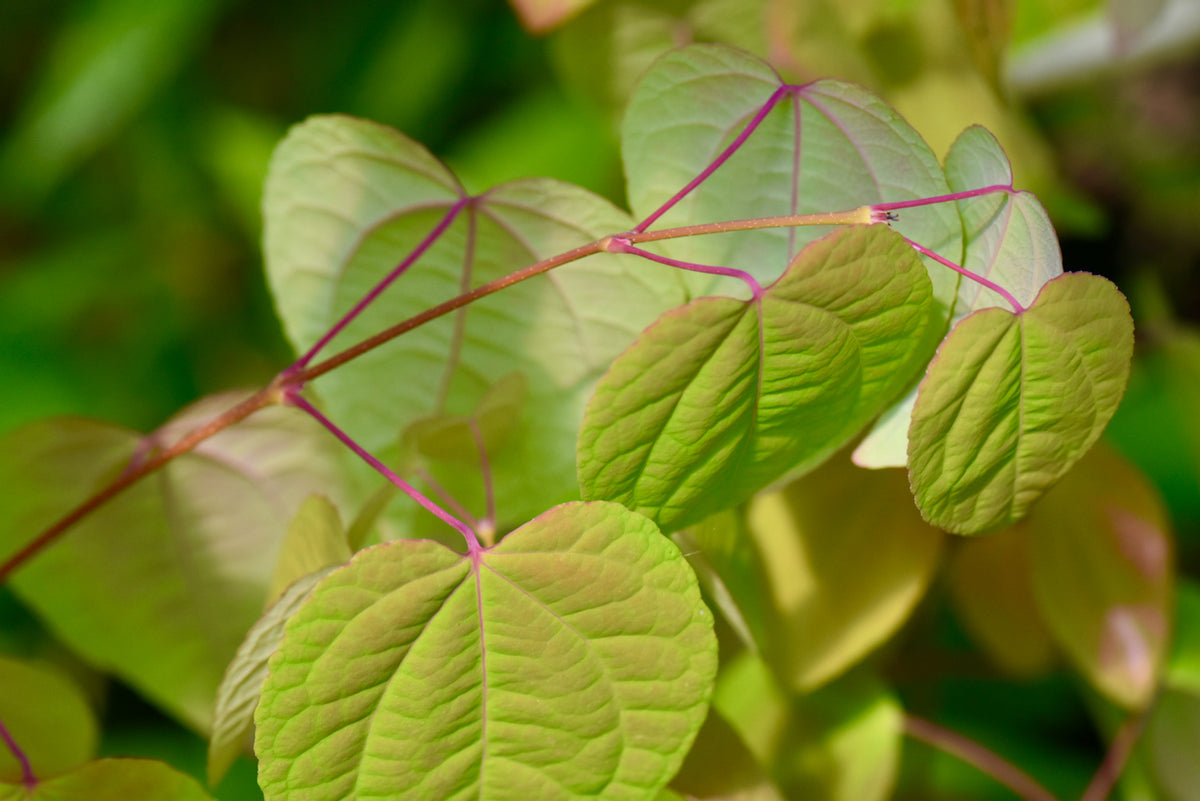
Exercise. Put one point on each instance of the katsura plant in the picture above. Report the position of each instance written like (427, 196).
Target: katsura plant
(462, 547)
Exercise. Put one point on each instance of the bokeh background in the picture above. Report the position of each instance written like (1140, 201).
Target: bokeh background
(135, 136)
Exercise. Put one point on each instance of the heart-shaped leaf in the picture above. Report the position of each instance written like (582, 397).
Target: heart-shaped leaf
(1102, 575)
(160, 584)
(721, 397)
(572, 660)
(1008, 239)
(1012, 401)
(346, 200)
(827, 146)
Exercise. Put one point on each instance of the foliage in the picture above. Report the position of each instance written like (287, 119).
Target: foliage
(572, 435)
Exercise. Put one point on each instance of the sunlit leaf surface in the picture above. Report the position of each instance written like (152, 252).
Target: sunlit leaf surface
(347, 200)
(721, 397)
(1012, 401)
(572, 660)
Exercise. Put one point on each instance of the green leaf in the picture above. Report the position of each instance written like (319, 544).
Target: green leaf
(346, 200)
(832, 146)
(990, 583)
(1012, 401)
(47, 716)
(572, 660)
(845, 742)
(315, 540)
(113, 780)
(720, 767)
(1008, 238)
(721, 397)
(1102, 575)
(159, 585)
(842, 575)
(1170, 743)
(106, 63)
(987, 28)
(237, 697)
(458, 438)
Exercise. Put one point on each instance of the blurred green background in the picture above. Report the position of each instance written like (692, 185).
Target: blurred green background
(134, 138)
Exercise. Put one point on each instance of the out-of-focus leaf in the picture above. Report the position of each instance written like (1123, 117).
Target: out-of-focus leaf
(1012, 401)
(106, 63)
(48, 717)
(844, 744)
(990, 581)
(346, 200)
(842, 574)
(112, 780)
(159, 585)
(1130, 19)
(315, 540)
(1008, 239)
(458, 438)
(720, 768)
(237, 697)
(572, 660)
(705, 408)
(828, 146)
(720, 550)
(1102, 554)
(750, 699)
(1183, 665)
(987, 25)
(541, 16)
(1170, 743)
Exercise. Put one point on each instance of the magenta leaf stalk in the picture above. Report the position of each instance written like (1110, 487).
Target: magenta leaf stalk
(622, 245)
(294, 398)
(378, 289)
(929, 201)
(733, 147)
(963, 271)
(488, 531)
(28, 779)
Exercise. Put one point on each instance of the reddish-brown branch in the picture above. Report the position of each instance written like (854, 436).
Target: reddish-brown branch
(975, 754)
(241, 411)
(1114, 762)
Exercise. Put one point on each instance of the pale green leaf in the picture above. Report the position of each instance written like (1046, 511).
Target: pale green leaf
(720, 767)
(572, 660)
(47, 716)
(845, 742)
(831, 146)
(113, 780)
(159, 585)
(458, 438)
(842, 574)
(1012, 401)
(1008, 239)
(346, 200)
(721, 397)
(315, 540)
(990, 583)
(840, 743)
(238, 694)
(1102, 575)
